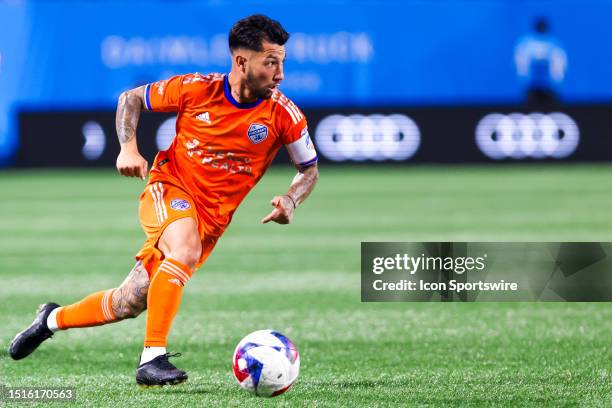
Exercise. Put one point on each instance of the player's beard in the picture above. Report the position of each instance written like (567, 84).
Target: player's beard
(255, 86)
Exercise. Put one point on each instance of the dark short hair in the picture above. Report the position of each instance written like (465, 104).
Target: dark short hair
(251, 31)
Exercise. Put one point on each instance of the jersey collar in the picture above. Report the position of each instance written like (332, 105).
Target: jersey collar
(228, 95)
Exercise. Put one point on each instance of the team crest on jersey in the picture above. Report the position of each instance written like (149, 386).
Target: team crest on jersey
(179, 204)
(257, 133)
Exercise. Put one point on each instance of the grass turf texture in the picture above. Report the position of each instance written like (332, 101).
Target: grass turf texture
(66, 234)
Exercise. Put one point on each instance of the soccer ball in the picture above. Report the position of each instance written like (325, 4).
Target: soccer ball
(266, 363)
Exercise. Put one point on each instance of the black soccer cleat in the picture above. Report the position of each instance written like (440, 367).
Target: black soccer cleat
(28, 340)
(159, 372)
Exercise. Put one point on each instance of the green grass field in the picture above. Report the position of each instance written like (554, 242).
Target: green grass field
(66, 234)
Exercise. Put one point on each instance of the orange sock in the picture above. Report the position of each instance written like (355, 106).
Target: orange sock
(163, 300)
(94, 310)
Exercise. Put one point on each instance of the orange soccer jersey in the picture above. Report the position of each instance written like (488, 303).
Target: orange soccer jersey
(221, 150)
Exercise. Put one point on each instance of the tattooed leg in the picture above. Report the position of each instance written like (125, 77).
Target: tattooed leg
(130, 299)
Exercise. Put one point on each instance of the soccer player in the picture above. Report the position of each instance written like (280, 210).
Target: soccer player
(228, 130)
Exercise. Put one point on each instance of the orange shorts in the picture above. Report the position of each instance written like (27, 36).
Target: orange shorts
(160, 205)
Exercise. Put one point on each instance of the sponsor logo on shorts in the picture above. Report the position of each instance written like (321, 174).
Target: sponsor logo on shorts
(257, 133)
(179, 204)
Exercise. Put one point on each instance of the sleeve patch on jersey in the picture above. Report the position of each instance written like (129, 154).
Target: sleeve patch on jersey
(302, 151)
(146, 95)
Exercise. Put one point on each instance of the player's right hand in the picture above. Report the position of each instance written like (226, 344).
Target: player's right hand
(132, 164)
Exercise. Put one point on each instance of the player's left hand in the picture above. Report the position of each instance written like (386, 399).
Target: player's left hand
(282, 212)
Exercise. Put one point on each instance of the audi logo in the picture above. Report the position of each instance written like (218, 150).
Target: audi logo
(371, 137)
(536, 135)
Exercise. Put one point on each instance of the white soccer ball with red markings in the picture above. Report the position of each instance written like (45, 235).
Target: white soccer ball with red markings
(266, 363)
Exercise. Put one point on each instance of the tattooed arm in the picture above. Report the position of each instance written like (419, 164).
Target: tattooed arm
(301, 187)
(129, 162)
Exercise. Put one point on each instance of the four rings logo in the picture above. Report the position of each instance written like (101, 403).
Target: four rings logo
(536, 135)
(372, 137)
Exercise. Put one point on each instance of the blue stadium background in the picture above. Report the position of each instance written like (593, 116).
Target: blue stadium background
(68, 56)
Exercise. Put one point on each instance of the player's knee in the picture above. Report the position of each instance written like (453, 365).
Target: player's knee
(130, 311)
(129, 301)
(136, 310)
(188, 255)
